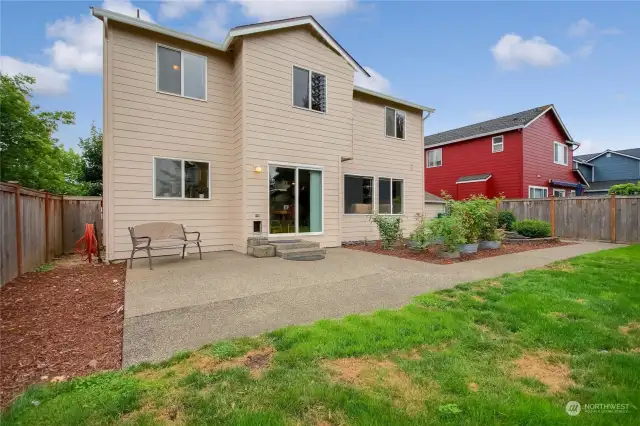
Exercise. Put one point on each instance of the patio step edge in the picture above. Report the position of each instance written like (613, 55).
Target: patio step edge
(302, 251)
(290, 246)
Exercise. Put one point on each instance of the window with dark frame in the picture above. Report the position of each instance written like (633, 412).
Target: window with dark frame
(358, 194)
(180, 179)
(395, 123)
(181, 73)
(390, 195)
(309, 89)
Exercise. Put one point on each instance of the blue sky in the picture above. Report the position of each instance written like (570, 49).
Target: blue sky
(470, 60)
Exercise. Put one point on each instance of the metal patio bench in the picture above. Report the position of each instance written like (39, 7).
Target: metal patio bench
(160, 236)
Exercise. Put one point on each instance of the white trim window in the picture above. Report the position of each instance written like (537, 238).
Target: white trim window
(309, 89)
(560, 193)
(434, 158)
(497, 144)
(395, 123)
(390, 195)
(181, 73)
(175, 178)
(538, 191)
(358, 194)
(560, 153)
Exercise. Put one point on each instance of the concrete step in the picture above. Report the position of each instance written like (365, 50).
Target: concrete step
(293, 244)
(292, 253)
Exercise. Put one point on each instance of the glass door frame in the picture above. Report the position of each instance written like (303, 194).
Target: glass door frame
(297, 167)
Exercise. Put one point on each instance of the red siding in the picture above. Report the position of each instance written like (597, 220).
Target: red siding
(465, 190)
(538, 153)
(475, 157)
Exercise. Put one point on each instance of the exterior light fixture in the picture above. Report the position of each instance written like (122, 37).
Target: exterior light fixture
(257, 169)
(176, 67)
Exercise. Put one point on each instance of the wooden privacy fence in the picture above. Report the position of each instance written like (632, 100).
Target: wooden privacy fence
(604, 218)
(35, 226)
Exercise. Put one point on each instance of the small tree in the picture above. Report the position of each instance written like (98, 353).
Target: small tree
(450, 229)
(389, 228)
(92, 156)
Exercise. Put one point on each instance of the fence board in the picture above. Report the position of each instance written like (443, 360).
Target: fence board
(66, 219)
(584, 218)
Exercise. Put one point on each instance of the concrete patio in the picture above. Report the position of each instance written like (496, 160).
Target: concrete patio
(184, 304)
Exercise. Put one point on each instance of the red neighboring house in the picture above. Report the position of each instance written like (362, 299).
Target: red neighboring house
(524, 155)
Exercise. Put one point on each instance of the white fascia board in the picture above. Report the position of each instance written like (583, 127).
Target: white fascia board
(582, 177)
(473, 137)
(252, 29)
(613, 152)
(392, 99)
(471, 181)
(583, 162)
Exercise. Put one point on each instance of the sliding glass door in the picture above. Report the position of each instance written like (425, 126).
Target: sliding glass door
(295, 200)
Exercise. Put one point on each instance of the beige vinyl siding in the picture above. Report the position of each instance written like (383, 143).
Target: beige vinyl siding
(237, 184)
(377, 155)
(431, 209)
(145, 123)
(275, 131)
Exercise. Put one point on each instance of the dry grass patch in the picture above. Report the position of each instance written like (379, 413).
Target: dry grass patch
(416, 353)
(559, 315)
(625, 329)
(478, 298)
(556, 375)
(168, 413)
(561, 266)
(319, 415)
(580, 301)
(448, 297)
(473, 387)
(378, 374)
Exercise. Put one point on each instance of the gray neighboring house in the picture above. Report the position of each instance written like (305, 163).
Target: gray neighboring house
(604, 169)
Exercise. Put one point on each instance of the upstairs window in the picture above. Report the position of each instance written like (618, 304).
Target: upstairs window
(181, 73)
(309, 90)
(394, 123)
(434, 158)
(497, 144)
(560, 153)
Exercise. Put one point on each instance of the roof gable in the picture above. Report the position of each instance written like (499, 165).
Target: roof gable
(631, 153)
(502, 124)
(235, 32)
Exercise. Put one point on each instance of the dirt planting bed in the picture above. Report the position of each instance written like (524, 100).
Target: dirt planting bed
(61, 323)
(430, 254)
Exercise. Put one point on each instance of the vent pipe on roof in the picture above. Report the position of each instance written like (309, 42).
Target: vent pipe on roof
(138, 13)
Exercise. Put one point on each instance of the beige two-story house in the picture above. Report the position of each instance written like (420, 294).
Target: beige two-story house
(263, 133)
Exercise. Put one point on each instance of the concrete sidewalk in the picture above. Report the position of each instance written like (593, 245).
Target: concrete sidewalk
(184, 304)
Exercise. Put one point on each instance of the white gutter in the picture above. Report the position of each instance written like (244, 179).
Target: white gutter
(392, 99)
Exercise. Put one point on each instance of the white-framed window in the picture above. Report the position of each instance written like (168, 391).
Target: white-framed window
(309, 89)
(175, 178)
(181, 73)
(538, 191)
(434, 157)
(497, 143)
(358, 194)
(390, 195)
(560, 153)
(560, 193)
(395, 123)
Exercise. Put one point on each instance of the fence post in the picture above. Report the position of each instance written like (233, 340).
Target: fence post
(62, 221)
(18, 228)
(553, 216)
(46, 226)
(613, 217)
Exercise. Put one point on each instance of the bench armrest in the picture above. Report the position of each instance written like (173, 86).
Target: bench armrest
(192, 232)
(139, 240)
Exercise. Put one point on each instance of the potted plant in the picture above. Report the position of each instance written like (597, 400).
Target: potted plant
(451, 230)
(490, 236)
(419, 239)
(494, 241)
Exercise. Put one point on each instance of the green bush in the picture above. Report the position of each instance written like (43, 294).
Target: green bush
(533, 228)
(625, 189)
(389, 228)
(420, 236)
(506, 219)
(450, 229)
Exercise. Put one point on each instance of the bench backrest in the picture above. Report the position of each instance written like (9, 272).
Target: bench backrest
(159, 231)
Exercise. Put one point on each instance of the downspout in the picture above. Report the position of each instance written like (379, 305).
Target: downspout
(422, 162)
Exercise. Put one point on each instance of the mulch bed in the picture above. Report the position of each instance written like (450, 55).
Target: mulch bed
(61, 323)
(430, 255)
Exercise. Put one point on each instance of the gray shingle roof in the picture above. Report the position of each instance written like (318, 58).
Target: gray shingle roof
(604, 185)
(634, 152)
(471, 178)
(490, 126)
(429, 197)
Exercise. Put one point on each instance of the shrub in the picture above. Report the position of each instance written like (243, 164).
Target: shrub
(420, 236)
(533, 228)
(506, 219)
(450, 229)
(477, 214)
(389, 228)
(625, 189)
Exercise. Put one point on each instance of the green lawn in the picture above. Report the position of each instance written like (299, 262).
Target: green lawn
(513, 350)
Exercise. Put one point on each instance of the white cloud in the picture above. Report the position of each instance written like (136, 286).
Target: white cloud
(585, 51)
(171, 9)
(611, 31)
(587, 146)
(581, 28)
(214, 23)
(48, 80)
(512, 51)
(78, 42)
(266, 10)
(376, 82)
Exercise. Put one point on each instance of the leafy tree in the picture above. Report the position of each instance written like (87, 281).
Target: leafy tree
(92, 156)
(29, 153)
